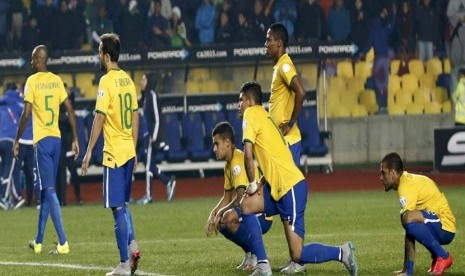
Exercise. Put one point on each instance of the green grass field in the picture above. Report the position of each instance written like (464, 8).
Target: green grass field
(172, 240)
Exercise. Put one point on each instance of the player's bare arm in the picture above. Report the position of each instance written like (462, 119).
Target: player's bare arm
(240, 192)
(210, 226)
(298, 89)
(72, 122)
(97, 127)
(22, 125)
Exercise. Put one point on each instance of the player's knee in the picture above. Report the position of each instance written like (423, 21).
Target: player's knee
(230, 219)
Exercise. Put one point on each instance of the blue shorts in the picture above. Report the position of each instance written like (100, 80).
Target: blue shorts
(117, 184)
(46, 156)
(296, 151)
(290, 207)
(433, 222)
(265, 221)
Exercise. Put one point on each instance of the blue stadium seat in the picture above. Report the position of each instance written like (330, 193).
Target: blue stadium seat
(193, 134)
(176, 153)
(211, 119)
(312, 139)
(236, 123)
(444, 81)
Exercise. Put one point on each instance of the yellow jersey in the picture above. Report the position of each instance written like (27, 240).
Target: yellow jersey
(117, 100)
(282, 98)
(235, 175)
(271, 151)
(418, 192)
(45, 92)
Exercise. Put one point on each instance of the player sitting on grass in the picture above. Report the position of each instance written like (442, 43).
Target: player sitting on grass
(425, 214)
(226, 216)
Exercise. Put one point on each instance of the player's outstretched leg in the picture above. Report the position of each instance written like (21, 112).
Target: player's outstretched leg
(171, 188)
(348, 258)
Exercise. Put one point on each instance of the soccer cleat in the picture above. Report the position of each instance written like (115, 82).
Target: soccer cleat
(433, 263)
(262, 269)
(36, 247)
(145, 200)
(4, 204)
(122, 269)
(171, 188)
(293, 268)
(249, 263)
(348, 258)
(60, 249)
(19, 203)
(134, 254)
(441, 265)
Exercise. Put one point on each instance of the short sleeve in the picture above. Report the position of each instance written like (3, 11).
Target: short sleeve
(28, 93)
(407, 198)
(287, 72)
(248, 127)
(103, 98)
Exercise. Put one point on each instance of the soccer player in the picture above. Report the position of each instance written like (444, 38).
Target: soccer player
(425, 214)
(226, 217)
(287, 93)
(155, 141)
(116, 113)
(285, 191)
(43, 94)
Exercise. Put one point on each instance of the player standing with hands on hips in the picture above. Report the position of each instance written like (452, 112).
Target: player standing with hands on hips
(116, 113)
(43, 94)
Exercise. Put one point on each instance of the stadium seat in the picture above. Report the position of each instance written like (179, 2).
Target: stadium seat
(403, 98)
(363, 69)
(177, 152)
(416, 67)
(211, 86)
(359, 110)
(428, 81)
(355, 85)
(433, 108)
(68, 79)
(341, 112)
(368, 99)
(345, 69)
(414, 108)
(422, 95)
(193, 87)
(193, 134)
(236, 123)
(211, 119)
(447, 106)
(409, 82)
(313, 141)
(88, 85)
(434, 67)
(396, 109)
(199, 74)
(446, 65)
(394, 85)
(308, 72)
(337, 84)
(394, 67)
(439, 95)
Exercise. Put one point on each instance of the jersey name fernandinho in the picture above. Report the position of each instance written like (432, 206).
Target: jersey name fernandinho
(117, 100)
(45, 91)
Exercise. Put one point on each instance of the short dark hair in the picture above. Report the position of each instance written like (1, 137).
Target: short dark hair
(254, 90)
(111, 45)
(461, 71)
(225, 131)
(393, 162)
(280, 32)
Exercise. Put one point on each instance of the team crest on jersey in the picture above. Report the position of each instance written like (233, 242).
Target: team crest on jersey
(286, 67)
(100, 93)
(237, 170)
(244, 124)
(403, 202)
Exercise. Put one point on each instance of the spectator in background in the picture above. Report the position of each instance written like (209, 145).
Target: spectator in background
(243, 30)
(427, 19)
(380, 31)
(3, 25)
(65, 24)
(157, 28)
(101, 26)
(456, 15)
(166, 10)
(338, 22)
(67, 156)
(226, 7)
(91, 15)
(311, 23)
(285, 12)
(204, 22)
(18, 15)
(46, 20)
(258, 22)
(327, 5)
(359, 21)
(224, 32)
(131, 27)
(117, 12)
(405, 27)
(30, 36)
(178, 30)
(458, 98)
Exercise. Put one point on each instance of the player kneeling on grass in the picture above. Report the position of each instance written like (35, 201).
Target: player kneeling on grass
(425, 214)
(226, 216)
(284, 193)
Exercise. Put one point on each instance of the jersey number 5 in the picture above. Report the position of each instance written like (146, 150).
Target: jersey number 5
(48, 109)
(125, 107)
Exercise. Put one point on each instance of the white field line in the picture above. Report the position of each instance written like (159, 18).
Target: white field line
(72, 266)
